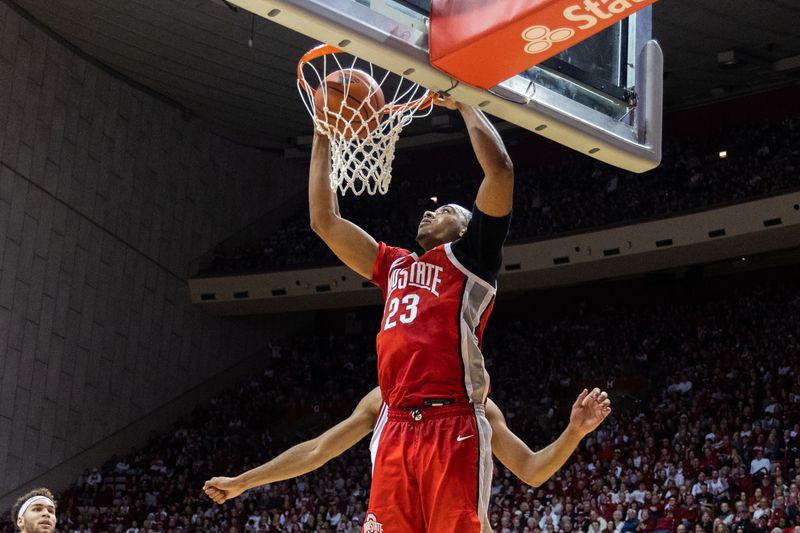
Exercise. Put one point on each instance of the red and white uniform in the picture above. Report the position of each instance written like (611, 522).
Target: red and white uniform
(433, 321)
(432, 473)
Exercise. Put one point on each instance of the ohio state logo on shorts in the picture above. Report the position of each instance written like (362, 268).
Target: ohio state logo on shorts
(371, 524)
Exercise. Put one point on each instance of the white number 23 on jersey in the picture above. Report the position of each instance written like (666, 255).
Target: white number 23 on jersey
(409, 310)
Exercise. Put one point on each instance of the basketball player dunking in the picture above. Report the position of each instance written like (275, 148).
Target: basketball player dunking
(431, 450)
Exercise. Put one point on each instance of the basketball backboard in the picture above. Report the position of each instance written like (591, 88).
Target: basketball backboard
(602, 97)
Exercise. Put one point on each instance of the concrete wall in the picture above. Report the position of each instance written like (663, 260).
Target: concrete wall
(107, 194)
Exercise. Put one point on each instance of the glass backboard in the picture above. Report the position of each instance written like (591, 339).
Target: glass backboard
(601, 97)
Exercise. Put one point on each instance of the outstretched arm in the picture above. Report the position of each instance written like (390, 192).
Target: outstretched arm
(354, 246)
(497, 188)
(304, 457)
(534, 468)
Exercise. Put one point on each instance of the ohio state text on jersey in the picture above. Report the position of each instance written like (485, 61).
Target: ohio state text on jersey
(433, 320)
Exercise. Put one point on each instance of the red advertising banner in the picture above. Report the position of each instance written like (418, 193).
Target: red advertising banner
(483, 42)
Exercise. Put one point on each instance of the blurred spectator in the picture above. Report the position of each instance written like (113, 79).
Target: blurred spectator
(759, 464)
(712, 435)
(574, 193)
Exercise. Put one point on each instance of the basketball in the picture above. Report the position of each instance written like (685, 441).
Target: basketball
(350, 100)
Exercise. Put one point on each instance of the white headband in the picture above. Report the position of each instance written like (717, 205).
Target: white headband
(34, 499)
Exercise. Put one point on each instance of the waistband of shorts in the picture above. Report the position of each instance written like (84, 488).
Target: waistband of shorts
(406, 414)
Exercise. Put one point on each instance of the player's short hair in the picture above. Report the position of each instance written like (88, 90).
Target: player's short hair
(25, 497)
(463, 212)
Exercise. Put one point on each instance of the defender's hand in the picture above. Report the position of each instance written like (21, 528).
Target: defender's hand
(221, 489)
(589, 411)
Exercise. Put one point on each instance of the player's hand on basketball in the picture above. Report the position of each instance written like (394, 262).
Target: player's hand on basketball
(445, 101)
(589, 410)
(320, 135)
(221, 489)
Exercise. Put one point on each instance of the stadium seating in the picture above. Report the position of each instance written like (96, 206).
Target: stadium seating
(553, 197)
(703, 438)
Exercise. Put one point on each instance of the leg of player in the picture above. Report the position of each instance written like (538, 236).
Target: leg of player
(431, 470)
(458, 470)
(394, 493)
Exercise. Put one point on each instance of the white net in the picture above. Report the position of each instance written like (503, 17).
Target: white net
(363, 128)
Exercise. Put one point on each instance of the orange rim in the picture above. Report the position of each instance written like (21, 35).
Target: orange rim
(327, 49)
(317, 51)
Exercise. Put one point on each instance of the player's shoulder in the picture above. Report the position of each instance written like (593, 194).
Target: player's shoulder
(394, 249)
(392, 254)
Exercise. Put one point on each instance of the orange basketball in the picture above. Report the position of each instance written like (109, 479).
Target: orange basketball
(350, 100)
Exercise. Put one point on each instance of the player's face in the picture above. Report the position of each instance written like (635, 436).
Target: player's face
(446, 224)
(38, 518)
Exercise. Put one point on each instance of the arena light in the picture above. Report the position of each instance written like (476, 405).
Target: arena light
(723, 154)
(787, 63)
(728, 59)
(434, 199)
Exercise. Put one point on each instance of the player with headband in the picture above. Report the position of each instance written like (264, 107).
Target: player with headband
(35, 512)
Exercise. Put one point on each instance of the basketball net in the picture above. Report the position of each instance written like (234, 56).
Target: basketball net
(361, 157)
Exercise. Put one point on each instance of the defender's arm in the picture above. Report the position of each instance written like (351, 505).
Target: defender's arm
(534, 468)
(304, 457)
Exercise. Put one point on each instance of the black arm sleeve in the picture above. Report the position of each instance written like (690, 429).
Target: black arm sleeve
(480, 249)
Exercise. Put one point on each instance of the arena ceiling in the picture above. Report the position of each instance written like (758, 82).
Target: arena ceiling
(196, 53)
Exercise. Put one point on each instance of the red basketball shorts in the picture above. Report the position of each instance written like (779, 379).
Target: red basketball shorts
(432, 474)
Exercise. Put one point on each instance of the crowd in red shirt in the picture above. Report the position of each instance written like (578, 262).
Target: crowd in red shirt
(703, 437)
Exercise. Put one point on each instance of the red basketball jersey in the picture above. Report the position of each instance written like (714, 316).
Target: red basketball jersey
(433, 319)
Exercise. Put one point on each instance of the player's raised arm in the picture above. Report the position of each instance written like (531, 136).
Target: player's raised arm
(497, 188)
(534, 468)
(304, 457)
(354, 246)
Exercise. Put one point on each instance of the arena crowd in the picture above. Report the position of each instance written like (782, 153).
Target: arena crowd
(553, 197)
(703, 437)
